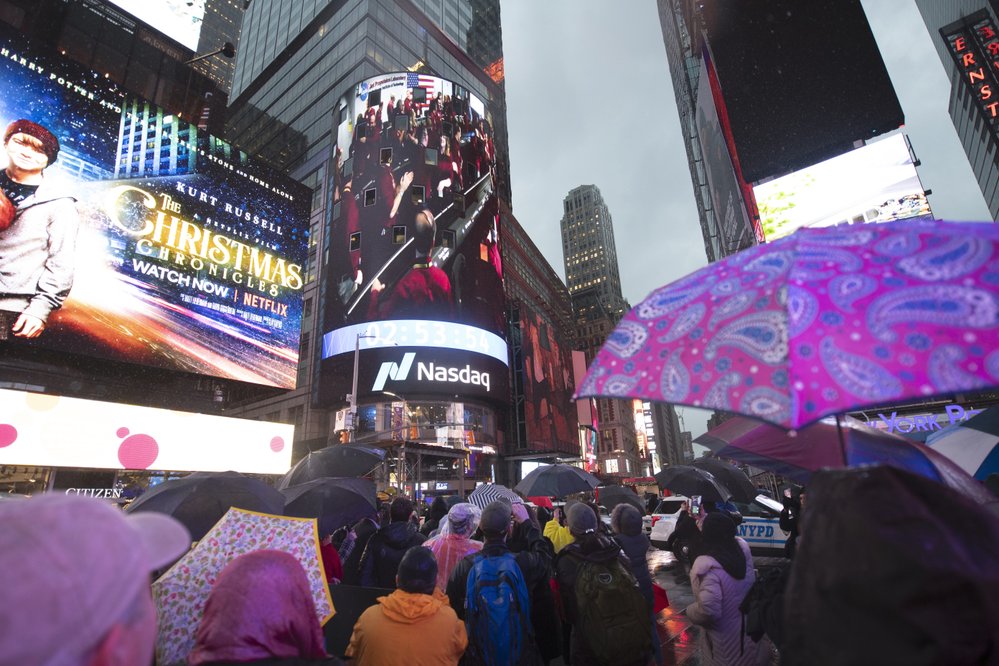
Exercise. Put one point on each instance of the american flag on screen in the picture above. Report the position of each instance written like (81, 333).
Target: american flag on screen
(428, 83)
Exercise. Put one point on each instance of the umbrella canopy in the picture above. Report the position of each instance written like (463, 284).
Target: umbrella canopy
(972, 444)
(823, 445)
(556, 481)
(690, 481)
(487, 493)
(611, 496)
(731, 477)
(820, 322)
(200, 499)
(333, 502)
(339, 460)
(181, 592)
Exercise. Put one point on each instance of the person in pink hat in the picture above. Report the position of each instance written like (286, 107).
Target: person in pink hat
(75, 574)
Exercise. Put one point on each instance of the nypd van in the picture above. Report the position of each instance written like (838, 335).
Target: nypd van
(760, 526)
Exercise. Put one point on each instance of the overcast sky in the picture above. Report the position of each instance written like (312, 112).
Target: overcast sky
(590, 101)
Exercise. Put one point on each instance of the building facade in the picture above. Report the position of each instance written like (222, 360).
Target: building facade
(300, 65)
(588, 249)
(543, 423)
(594, 284)
(962, 32)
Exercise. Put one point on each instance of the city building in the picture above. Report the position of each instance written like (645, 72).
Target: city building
(594, 283)
(311, 93)
(736, 67)
(544, 425)
(964, 33)
(588, 249)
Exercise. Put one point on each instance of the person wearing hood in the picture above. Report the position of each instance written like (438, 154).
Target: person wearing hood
(629, 534)
(589, 546)
(414, 625)
(438, 509)
(453, 542)
(38, 229)
(720, 578)
(386, 547)
(260, 611)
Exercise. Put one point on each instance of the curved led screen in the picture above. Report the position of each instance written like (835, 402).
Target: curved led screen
(413, 243)
(164, 246)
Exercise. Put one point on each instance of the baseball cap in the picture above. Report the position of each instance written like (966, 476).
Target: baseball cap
(70, 568)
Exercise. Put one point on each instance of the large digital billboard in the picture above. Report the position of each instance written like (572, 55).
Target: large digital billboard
(874, 183)
(164, 246)
(414, 277)
(178, 19)
(548, 386)
(39, 430)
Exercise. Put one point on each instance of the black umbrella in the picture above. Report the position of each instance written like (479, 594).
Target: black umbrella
(690, 481)
(337, 461)
(731, 477)
(556, 481)
(611, 496)
(334, 502)
(200, 499)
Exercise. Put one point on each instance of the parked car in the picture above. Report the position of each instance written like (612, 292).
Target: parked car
(660, 523)
(760, 525)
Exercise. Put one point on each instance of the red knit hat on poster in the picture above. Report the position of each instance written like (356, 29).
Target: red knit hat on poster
(50, 144)
(7, 212)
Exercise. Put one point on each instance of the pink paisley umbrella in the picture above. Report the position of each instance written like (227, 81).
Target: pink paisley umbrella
(821, 322)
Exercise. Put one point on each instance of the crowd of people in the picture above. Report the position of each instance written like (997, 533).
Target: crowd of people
(502, 585)
(399, 172)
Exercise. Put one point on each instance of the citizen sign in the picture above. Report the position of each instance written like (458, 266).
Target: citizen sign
(428, 372)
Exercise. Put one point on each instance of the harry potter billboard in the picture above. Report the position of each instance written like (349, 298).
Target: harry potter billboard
(142, 239)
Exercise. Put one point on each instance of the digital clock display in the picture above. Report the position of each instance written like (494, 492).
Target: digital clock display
(414, 333)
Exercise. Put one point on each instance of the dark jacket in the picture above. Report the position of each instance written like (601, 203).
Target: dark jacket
(534, 562)
(364, 529)
(331, 661)
(544, 611)
(686, 533)
(380, 562)
(636, 548)
(592, 548)
(534, 559)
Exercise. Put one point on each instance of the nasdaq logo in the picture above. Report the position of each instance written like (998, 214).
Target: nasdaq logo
(397, 372)
(431, 372)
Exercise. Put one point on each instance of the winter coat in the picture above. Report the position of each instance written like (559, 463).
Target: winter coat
(363, 531)
(408, 628)
(384, 551)
(716, 608)
(593, 548)
(636, 548)
(534, 562)
(37, 254)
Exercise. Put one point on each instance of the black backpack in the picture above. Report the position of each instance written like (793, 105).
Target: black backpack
(763, 605)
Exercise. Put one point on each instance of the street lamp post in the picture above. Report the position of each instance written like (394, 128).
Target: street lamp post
(353, 388)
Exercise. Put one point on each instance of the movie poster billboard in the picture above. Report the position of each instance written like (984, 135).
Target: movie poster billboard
(414, 277)
(875, 183)
(147, 241)
(548, 386)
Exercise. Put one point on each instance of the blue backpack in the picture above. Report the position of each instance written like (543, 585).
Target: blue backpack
(497, 610)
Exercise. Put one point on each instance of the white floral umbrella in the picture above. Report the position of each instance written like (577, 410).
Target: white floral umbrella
(180, 594)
